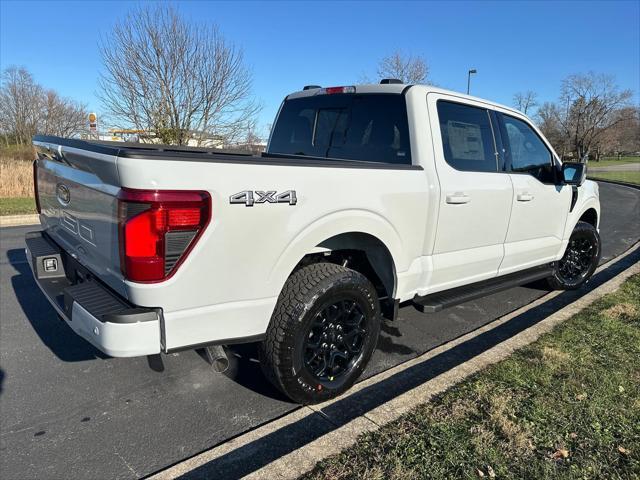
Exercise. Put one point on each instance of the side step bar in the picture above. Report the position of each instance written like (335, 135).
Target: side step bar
(448, 298)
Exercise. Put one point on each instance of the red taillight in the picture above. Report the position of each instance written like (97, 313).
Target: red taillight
(35, 185)
(158, 229)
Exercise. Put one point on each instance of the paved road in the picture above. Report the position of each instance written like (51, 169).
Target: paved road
(69, 412)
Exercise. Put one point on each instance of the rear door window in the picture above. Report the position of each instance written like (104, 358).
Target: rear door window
(366, 127)
(467, 137)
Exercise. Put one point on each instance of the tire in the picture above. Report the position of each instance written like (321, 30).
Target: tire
(321, 306)
(577, 265)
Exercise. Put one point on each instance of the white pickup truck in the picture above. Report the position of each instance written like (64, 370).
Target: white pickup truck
(368, 197)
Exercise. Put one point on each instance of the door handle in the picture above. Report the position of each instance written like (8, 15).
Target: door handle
(524, 197)
(458, 198)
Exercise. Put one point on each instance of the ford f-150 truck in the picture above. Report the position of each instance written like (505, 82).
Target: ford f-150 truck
(368, 197)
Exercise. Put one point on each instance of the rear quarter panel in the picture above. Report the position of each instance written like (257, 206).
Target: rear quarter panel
(247, 253)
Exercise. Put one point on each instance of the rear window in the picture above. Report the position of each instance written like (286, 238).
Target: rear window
(467, 137)
(370, 127)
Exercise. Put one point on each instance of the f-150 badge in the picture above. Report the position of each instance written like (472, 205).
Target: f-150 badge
(249, 198)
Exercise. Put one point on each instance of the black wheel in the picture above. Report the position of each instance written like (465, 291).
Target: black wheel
(322, 332)
(580, 258)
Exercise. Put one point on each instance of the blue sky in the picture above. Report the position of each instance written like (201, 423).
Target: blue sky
(514, 46)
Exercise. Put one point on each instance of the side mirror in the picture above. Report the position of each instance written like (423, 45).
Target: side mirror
(574, 173)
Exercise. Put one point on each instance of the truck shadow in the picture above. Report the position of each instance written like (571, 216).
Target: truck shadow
(53, 332)
(256, 454)
(244, 369)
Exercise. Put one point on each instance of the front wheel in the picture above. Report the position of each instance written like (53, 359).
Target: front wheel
(580, 259)
(322, 332)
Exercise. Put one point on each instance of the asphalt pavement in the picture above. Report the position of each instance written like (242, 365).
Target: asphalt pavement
(67, 411)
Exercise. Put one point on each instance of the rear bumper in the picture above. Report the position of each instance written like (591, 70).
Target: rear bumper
(93, 311)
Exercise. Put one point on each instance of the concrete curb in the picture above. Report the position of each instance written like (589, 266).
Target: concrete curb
(340, 435)
(19, 220)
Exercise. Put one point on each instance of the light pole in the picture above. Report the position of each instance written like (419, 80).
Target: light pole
(473, 70)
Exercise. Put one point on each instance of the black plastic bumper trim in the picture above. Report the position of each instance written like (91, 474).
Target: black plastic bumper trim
(72, 283)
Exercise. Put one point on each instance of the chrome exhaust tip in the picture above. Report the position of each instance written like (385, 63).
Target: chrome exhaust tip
(217, 358)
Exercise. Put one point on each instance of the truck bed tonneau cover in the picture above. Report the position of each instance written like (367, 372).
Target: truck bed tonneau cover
(173, 152)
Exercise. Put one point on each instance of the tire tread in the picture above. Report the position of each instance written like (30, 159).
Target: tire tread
(296, 297)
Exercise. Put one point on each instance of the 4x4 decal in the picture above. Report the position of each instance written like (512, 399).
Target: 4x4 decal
(248, 198)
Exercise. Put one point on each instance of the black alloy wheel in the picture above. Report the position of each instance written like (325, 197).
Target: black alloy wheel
(577, 260)
(335, 340)
(580, 259)
(322, 332)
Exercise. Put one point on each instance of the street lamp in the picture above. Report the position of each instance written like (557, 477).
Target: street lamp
(473, 70)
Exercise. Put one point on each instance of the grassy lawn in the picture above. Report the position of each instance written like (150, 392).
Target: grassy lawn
(567, 406)
(608, 161)
(629, 177)
(17, 205)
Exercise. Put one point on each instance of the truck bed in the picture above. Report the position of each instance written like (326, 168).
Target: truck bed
(49, 144)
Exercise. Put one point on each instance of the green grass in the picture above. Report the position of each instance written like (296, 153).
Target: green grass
(608, 161)
(565, 407)
(17, 205)
(629, 177)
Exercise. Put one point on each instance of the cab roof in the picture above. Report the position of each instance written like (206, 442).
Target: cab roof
(399, 88)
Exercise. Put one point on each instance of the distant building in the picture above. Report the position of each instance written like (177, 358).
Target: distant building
(147, 136)
(110, 138)
(206, 140)
(255, 148)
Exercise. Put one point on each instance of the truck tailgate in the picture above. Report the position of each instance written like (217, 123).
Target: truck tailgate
(77, 191)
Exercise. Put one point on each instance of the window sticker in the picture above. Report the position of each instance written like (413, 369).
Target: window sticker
(465, 140)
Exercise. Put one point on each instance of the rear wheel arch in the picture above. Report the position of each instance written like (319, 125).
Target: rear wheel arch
(365, 254)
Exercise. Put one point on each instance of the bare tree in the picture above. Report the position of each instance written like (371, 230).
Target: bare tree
(26, 109)
(524, 101)
(409, 69)
(589, 106)
(20, 100)
(61, 116)
(624, 138)
(177, 79)
(6, 125)
(628, 137)
(547, 119)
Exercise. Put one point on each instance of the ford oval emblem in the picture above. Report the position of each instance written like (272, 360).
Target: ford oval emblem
(63, 194)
